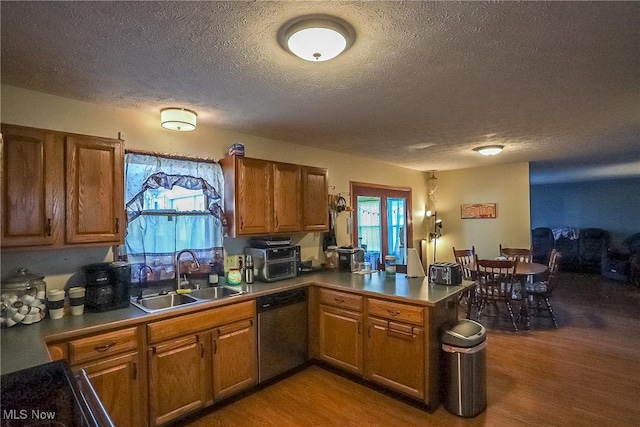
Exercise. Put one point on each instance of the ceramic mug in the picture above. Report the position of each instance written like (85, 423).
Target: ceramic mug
(55, 303)
(76, 300)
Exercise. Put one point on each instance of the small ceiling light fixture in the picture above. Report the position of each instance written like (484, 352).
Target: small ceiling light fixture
(179, 119)
(489, 150)
(316, 38)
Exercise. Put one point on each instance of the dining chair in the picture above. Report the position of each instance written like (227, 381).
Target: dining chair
(496, 280)
(541, 290)
(464, 257)
(522, 255)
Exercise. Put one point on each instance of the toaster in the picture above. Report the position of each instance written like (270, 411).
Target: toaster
(445, 273)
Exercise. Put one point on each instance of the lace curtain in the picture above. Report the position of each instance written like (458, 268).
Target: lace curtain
(155, 236)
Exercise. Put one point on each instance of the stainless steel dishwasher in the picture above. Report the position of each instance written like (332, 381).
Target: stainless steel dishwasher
(282, 332)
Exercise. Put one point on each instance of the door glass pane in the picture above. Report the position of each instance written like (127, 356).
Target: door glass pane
(396, 229)
(370, 227)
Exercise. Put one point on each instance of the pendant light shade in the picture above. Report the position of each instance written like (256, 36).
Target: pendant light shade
(316, 38)
(489, 150)
(179, 119)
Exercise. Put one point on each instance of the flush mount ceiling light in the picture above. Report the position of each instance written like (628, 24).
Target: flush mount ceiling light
(179, 119)
(316, 38)
(489, 150)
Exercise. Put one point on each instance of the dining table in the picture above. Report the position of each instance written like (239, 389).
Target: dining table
(524, 272)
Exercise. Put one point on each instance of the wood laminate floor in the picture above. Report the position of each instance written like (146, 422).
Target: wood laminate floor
(585, 373)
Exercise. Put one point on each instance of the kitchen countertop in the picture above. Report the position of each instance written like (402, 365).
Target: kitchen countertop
(24, 346)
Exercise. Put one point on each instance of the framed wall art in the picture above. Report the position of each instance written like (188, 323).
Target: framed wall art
(478, 210)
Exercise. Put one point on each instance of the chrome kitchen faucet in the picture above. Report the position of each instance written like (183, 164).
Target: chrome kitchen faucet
(195, 264)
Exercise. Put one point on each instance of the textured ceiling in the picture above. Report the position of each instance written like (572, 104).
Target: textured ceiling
(423, 83)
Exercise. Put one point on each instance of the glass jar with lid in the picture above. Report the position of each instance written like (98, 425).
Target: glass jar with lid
(23, 298)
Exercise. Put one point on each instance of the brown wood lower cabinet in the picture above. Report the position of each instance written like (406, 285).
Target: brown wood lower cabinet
(176, 376)
(386, 342)
(340, 340)
(199, 358)
(235, 366)
(113, 363)
(396, 348)
(339, 329)
(395, 356)
(117, 383)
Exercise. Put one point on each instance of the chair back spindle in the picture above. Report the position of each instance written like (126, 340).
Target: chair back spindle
(521, 254)
(465, 257)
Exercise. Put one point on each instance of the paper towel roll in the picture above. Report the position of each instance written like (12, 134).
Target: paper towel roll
(414, 265)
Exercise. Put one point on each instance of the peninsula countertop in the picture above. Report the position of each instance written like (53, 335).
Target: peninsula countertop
(24, 346)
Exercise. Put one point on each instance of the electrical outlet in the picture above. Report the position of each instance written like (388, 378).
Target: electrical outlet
(233, 261)
(230, 261)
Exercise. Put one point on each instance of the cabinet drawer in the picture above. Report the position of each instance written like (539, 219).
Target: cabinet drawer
(99, 346)
(341, 299)
(396, 311)
(196, 322)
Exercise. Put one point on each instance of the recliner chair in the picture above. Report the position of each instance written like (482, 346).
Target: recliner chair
(624, 263)
(594, 243)
(541, 244)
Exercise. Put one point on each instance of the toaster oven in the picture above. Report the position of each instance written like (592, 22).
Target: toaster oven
(275, 263)
(445, 273)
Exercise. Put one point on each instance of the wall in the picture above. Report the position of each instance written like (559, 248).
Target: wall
(507, 185)
(143, 132)
(613, 205)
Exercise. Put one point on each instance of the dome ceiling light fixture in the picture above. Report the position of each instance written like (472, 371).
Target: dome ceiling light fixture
(316, 38)
(178, 119)
(489, 150)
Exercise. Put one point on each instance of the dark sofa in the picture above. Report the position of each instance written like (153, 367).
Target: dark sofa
(624, 263)
(583, 250)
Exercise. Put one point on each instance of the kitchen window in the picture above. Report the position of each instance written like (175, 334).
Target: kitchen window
(382, 222)
(172, 203)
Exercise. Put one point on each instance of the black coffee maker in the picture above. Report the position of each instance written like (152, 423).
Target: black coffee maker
(108, 285)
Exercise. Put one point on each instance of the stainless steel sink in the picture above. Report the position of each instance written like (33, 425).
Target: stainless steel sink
(152, 304)
(216, 292)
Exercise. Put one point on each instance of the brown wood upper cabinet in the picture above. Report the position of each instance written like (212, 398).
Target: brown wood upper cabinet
(315, 195)
(94, 171)
(60, 189)
(264, 197)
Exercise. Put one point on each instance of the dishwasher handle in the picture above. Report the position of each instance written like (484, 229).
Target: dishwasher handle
(281, 299)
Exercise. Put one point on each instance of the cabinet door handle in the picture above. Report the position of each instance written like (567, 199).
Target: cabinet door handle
(135, 371)
(359, 327)
(338, 300)
(104, 347)
(215, 346)
(396, 331)
(393, 313)
(48, 226)
(202, 350)
(117, 225)
(369, 330)
(241, 223)
(276, 221)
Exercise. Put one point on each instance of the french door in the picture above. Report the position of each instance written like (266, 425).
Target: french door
(382, 222)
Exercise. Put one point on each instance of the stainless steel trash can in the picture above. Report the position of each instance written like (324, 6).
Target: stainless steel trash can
(464, 345)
